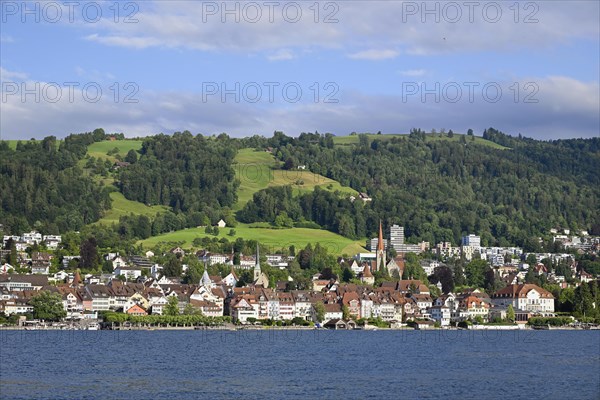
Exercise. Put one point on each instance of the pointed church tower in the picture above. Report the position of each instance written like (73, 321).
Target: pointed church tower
(205, 280)
(380, 264)
(257, 270)
(77, 279)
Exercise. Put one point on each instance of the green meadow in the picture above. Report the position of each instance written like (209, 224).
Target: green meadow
(353, 139)
(274, 238)
(99, 149)
(258, 170)
(121, 207)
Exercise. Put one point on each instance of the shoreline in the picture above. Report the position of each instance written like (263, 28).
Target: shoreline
(298, 328)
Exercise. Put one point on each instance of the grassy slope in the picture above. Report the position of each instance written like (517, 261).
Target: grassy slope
(275, 238)
(13, 143)
(258, 170)
(121, 206)
(349, 140)
(254, 169)
(99, 149)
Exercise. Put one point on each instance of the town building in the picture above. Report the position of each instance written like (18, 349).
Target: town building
(526, 297)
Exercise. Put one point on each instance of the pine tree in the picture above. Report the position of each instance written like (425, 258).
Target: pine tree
(510, 313)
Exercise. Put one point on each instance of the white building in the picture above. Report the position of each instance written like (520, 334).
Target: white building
(472, 240)
(244, 309)
(32, 238)
(131, 273)
(441, 314)
(215, 258)
(526, 297)
(396, 235)
(52, 241)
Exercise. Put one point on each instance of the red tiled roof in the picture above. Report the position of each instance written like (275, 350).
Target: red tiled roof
(520, 291)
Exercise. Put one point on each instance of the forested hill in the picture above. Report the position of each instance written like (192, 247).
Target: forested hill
(509, 190)
(442, 189)
(42, 187)
(188, 173)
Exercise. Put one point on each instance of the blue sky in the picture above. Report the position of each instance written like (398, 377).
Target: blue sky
(365, 68)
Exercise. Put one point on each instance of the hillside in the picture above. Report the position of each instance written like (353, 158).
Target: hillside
(42, 185)
(456, 137)
(509, 190)
(120, 207)
(257, 170)
(100, 149)
(273, 238)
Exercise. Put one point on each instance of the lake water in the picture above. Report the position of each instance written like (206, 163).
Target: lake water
(299, 364)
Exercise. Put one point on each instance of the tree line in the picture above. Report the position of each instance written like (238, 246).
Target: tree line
(441, 190)
(42, 187)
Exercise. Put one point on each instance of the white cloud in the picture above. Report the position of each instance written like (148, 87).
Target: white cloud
(5, 75)
(565, 108)
(122, 41)
(374, 54)
(282, 55)
(361, 25)
(6, 39)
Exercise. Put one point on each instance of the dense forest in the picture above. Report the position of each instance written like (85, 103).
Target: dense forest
(188, 173)
(440, 190)
(437, 189)
(42, 187)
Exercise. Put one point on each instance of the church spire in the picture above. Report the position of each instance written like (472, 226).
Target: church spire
(205, 281)
(257, 270)
(380, 246)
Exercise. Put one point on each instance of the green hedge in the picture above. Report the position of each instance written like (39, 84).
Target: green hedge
(119, 318)
(552, 321)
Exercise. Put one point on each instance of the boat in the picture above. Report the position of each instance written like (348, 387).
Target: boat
(92, 327)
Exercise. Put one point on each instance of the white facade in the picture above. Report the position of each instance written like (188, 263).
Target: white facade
(217, 259)
(366, 308)
(329, 315)
(441, 314)
(244, 310)
(32, 238)
(396, 235)
(472, 240)
(129, 272)
(531, 302)
(52, 241)
(303, 309)
(6, 238)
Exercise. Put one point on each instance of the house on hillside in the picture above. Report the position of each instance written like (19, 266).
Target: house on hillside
(364, 197)
(40, 263)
